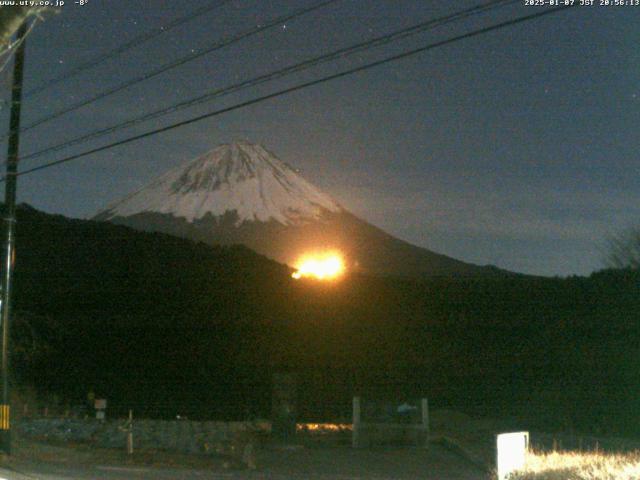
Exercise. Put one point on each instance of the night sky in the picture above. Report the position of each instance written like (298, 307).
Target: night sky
(517, 148)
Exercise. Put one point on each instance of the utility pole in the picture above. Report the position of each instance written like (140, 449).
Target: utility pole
(10, 222)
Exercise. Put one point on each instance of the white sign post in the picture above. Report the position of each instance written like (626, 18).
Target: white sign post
(511, 452)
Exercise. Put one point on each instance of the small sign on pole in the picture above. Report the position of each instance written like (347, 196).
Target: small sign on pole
(511, 452)
(100, 405)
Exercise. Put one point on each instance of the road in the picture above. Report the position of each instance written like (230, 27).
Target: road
(331, 463)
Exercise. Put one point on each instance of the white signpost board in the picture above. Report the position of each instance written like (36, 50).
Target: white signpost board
(512, 451)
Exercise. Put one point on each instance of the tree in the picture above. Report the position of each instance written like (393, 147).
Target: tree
(11, 17)
(10, 20)
(623, 250)
(35, 340)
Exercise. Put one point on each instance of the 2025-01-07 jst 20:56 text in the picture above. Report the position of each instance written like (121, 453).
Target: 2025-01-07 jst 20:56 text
(582, 3)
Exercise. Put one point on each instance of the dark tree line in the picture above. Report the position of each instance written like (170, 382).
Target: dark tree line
(169, 326)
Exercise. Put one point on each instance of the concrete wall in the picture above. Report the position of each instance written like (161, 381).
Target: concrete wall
(174, 435)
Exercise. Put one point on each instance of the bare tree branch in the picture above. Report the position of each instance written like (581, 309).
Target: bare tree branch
(623, 250)
(10, 20)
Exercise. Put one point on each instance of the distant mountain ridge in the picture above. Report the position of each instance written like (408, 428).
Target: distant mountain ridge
(240, 193)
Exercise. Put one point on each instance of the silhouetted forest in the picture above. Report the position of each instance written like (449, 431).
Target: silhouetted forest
(168, 326)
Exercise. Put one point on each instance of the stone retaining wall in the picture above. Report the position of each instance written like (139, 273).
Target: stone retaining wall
(174, 435)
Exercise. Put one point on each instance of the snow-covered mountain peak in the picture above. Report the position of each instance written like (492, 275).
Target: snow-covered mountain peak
(239, 177)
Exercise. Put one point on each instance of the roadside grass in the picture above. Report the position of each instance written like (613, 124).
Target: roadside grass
(580, 466)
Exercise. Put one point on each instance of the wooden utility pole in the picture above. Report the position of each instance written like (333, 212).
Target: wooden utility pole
(10, 222)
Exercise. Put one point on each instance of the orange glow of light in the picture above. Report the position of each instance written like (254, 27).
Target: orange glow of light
(327, 266)
(323, 427)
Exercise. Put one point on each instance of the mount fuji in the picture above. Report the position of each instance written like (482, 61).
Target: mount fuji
(240, 193)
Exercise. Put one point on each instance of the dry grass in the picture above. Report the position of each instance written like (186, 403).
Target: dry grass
(580, 466)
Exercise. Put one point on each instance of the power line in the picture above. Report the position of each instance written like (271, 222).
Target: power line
(181, 61)
(298, 67)
(298, 87)
(139, 40)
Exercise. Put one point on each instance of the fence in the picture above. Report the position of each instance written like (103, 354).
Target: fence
(172, 435)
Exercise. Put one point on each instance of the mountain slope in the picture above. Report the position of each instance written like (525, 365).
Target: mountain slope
(240, 193)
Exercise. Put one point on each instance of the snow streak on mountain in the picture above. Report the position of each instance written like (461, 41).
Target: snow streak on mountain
(240, 177)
